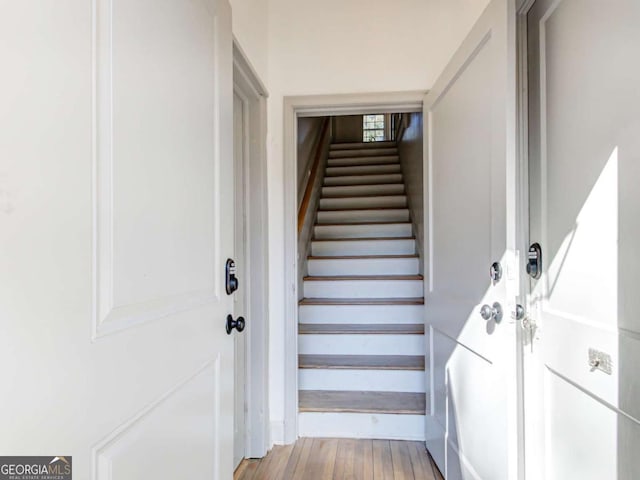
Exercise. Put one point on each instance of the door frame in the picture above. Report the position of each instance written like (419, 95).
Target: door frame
(528, 386)
(313, 106)
(253, 94)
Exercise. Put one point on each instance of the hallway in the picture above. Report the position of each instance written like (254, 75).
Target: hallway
(327, 458)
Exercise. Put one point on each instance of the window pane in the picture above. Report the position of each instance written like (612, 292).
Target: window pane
(373, 128)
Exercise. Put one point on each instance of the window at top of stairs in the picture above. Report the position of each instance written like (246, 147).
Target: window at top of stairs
(373, 128)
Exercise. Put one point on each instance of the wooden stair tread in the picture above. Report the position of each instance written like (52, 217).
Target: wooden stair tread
(363, 151)
(358, 257)
(362, 362)
(365, 184)
(367, 195)
(361, 239)
(360, 209)
(362, 402)
(361, 328)
(386, 164)
(360, 224)
(385, 158)
(349, 208)
(351, 145)
(316, 278)
(363, 301)
(390, 161)
(362, 195)
(382, 174)
(355, 152)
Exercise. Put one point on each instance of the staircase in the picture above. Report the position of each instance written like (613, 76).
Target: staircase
(361, 331)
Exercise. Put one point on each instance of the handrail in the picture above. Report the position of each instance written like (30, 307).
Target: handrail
(302, 212)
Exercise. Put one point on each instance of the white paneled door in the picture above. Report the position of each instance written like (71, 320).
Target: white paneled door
(470, 114)
(583, 397)
(116, 218)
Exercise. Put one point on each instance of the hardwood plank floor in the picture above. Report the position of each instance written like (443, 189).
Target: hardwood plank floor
(342, 459)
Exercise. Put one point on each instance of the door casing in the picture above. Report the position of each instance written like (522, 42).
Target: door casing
(253, 94)
(526, 386)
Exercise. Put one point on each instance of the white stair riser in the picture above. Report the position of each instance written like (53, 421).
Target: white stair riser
(362, 145)
(362, 314)
(362, 380)
(363, 247)
(362, 170)
(363, 288)
(363, 266)
(363, 179)
(363, 231)
(363, 216)
(347, 161)
(362, 425)
(359, 190)
(364, 152)
(361, 344)
(388, 201)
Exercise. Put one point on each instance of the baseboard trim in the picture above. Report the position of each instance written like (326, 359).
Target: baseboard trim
(277, 433)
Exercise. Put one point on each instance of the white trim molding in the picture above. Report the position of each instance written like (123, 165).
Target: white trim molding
(248, 86)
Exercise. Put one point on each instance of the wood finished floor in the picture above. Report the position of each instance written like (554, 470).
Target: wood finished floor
(338, 459)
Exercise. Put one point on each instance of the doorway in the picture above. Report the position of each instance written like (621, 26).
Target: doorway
(251, 435)
(294, 109)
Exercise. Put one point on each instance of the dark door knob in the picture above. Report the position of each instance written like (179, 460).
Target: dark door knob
(237, 324)
(231, 281)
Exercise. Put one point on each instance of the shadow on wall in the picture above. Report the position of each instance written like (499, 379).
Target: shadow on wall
(410, 149)
(347, 128)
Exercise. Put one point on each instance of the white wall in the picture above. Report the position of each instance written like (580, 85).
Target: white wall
(336, 46)
(250, 32)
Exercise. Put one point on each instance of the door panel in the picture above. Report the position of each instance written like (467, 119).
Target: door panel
(471, 183)
(115, 230)
(583, 171)
(154, 160)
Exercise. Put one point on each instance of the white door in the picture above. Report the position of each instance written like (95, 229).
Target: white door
(584, 171)
(239, 154)
(116, 217)
(471, 224)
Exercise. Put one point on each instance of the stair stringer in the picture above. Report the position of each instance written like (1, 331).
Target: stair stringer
(305, 234)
